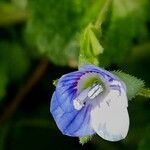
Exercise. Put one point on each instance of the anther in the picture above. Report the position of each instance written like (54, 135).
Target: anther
(95, 91)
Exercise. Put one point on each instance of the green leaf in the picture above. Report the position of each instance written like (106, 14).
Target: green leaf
(133, 84)
(83, 140)
(96, 47)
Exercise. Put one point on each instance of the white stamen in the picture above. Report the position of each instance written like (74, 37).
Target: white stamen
(77, 104)
(79, 101)
(90, 92)
(95, 91)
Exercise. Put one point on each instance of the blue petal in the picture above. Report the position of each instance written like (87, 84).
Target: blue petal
(65, 98)
(116, 87)
(105, 74)
(67, 90)
(74, 123)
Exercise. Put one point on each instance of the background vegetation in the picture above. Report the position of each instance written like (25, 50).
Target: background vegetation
(39, 42)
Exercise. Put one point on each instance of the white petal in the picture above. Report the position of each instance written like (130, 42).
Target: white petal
(120, 95)
(117, 98)
(110, 118)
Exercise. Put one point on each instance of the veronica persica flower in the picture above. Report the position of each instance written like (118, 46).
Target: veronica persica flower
(91, 100)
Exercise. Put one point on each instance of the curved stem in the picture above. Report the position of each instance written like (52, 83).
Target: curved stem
(103, 13)
(145, 92)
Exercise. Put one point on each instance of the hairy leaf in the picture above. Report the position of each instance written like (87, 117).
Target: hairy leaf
(133, 84)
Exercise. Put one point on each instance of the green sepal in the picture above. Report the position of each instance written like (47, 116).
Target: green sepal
(85, 139)
(55, 82)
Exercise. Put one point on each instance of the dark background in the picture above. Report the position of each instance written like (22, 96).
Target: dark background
(39, 42)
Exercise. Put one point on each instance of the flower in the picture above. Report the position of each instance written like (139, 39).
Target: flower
(91, 100)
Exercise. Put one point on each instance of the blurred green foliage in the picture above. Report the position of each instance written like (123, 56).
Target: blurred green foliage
(126, 27)
(33, 30)
(14, 64)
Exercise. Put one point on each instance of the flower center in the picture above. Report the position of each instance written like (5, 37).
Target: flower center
(89, 93)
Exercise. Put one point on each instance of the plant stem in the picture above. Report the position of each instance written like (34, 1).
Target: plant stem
(103, 13)
(145, 92)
